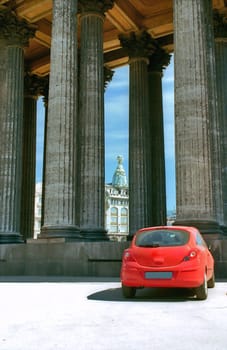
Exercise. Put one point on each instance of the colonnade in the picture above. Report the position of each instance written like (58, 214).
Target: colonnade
(73, 178)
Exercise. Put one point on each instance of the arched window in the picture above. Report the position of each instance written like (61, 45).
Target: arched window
(124, 220)
(114, 211)
(124, 212)
(114, 219)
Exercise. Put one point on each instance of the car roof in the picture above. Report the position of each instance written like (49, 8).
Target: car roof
(191, 229)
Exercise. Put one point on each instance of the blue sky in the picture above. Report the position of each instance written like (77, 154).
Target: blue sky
(116, 128)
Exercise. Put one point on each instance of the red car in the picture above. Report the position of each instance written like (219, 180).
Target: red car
(167, 256)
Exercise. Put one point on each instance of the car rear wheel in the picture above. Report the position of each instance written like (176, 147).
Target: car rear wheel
(202, 292)
(128, 292)
(211, 282)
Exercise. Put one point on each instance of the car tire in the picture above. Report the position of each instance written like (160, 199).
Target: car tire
(211, 282)
(128, 292)
(202, 292)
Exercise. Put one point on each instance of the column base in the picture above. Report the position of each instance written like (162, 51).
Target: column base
(69, 232)
(94, 234)
(73, 233)
(11, 238)
(204, 226)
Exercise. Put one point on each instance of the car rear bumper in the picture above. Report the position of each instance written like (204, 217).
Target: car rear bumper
(134, 276)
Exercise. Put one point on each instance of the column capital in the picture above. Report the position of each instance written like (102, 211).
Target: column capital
(159, 60)
(32, 85)
(220, 25)
(108, 75)
(95, 6)
(13, 30)
(44, 88)
(139, 44)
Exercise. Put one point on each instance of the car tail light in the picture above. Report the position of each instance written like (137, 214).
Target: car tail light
(192, 255)
(128, 256)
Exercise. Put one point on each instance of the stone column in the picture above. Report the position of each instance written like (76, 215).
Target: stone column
(14, 35)
(220, 30)
(31, 92)
(91, 182)
(195, 115)
(60, 167)
(139, 47)
(158, 62)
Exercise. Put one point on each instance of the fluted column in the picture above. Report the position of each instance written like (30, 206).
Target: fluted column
(197, 151)
(220, 30)
(139, 47)
(14, 35)
(91, 182)
(157, 63)
(60, 168)
(31, 92)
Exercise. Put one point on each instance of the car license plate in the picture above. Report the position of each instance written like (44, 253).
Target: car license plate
(159, 275)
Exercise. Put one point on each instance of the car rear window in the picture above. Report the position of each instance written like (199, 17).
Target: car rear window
(162, 238)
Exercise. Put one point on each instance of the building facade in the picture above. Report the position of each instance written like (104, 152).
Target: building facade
(117, 199)
(116, 209)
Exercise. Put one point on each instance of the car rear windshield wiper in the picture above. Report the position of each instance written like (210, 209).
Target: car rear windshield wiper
(150, 245)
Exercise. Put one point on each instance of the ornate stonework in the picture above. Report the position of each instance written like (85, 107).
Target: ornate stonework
(44, 88)
(15, 30)
(220, 25)
(159, 60)
(139, 44)
(33, 85)
(108, 75)
(100, 6)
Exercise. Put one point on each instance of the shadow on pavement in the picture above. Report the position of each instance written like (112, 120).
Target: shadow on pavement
(146, 294)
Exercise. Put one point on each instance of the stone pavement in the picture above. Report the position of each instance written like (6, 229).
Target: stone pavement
(59, 313)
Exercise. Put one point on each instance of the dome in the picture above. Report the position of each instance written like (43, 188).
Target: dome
(119, 179)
